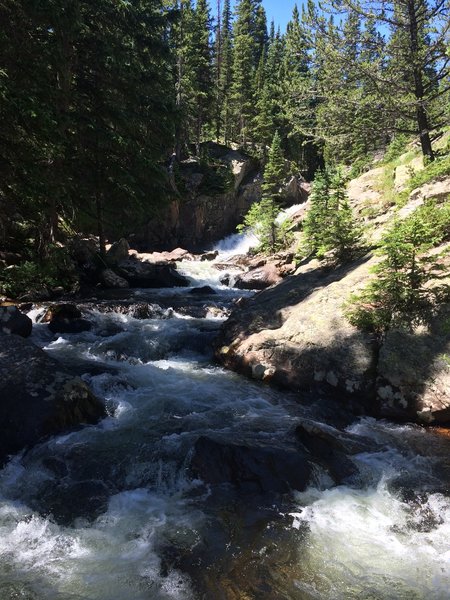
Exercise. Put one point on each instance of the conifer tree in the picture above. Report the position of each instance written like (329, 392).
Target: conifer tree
(330, 228)
(262, 216)
(247, 41)
(408, 89)
(224, 75)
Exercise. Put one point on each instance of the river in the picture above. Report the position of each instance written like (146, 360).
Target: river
(114, 511)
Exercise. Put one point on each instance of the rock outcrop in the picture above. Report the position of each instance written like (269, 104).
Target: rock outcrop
(211, 200)
(38, 397)
(295, 334)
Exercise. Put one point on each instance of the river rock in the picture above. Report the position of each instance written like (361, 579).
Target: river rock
(330, 447)
(209, 255)
(109, 279)
(251, 468)
(14, 321)
(118, 252)
(38, 397)
(259, 278)
(151, 275)
(205, 290)
(65, 318)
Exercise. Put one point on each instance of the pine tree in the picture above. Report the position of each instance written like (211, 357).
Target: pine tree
(262, 216)
(330, 229)
(250, 41)
(415, 62)
(401, 294)
(201, 64)
(224, 75)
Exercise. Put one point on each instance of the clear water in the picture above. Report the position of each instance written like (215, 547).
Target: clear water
(112, 511)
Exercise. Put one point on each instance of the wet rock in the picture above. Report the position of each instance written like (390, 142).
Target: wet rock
(38, 397)
(329, 447)
(66, 318)
(250, 468)
(67, 501)
(111, 280)
(205, 290)
(152, 275)
(15, 322)
(209, 255)
(118, 252)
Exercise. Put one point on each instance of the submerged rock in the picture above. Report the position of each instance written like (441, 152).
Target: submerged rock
(251, 468)
(38, 397)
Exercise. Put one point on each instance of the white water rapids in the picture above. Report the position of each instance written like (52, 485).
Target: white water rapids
(112, 511)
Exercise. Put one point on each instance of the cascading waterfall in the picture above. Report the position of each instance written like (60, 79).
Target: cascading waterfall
(112, 511)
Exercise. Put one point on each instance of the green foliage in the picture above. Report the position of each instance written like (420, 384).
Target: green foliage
(402, 293)
(57, 270)
(262, 216)
(330, 229)
(396, 148)
(438, 168)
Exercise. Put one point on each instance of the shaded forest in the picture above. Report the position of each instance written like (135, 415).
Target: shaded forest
(100, 99)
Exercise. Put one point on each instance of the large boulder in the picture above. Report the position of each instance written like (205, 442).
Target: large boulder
(109, 279)
(14, 321)
(259, 278)
(151, 275)
(38, 397)
(65, 318)
(118, 252)
(296, 334)
(251, 468)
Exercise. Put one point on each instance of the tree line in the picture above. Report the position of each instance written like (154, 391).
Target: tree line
(97, 95)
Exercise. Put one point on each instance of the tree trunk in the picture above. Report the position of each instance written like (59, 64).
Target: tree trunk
(421, 115)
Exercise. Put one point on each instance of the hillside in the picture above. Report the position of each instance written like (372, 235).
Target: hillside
(296, 334)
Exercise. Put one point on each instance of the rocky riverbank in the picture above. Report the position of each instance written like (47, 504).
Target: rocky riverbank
(295, 333)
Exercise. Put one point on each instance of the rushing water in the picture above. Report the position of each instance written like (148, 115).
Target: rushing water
(113, 512)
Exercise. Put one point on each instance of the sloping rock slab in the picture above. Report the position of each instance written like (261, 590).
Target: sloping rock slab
(38, 397)
(295, 334)
(250, 468)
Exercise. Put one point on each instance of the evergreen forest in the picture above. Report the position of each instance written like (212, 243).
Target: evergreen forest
(99, 100)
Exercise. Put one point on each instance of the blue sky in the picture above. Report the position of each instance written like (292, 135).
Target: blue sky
(280, 11)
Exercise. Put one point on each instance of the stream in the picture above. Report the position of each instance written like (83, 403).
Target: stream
(115, 511)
